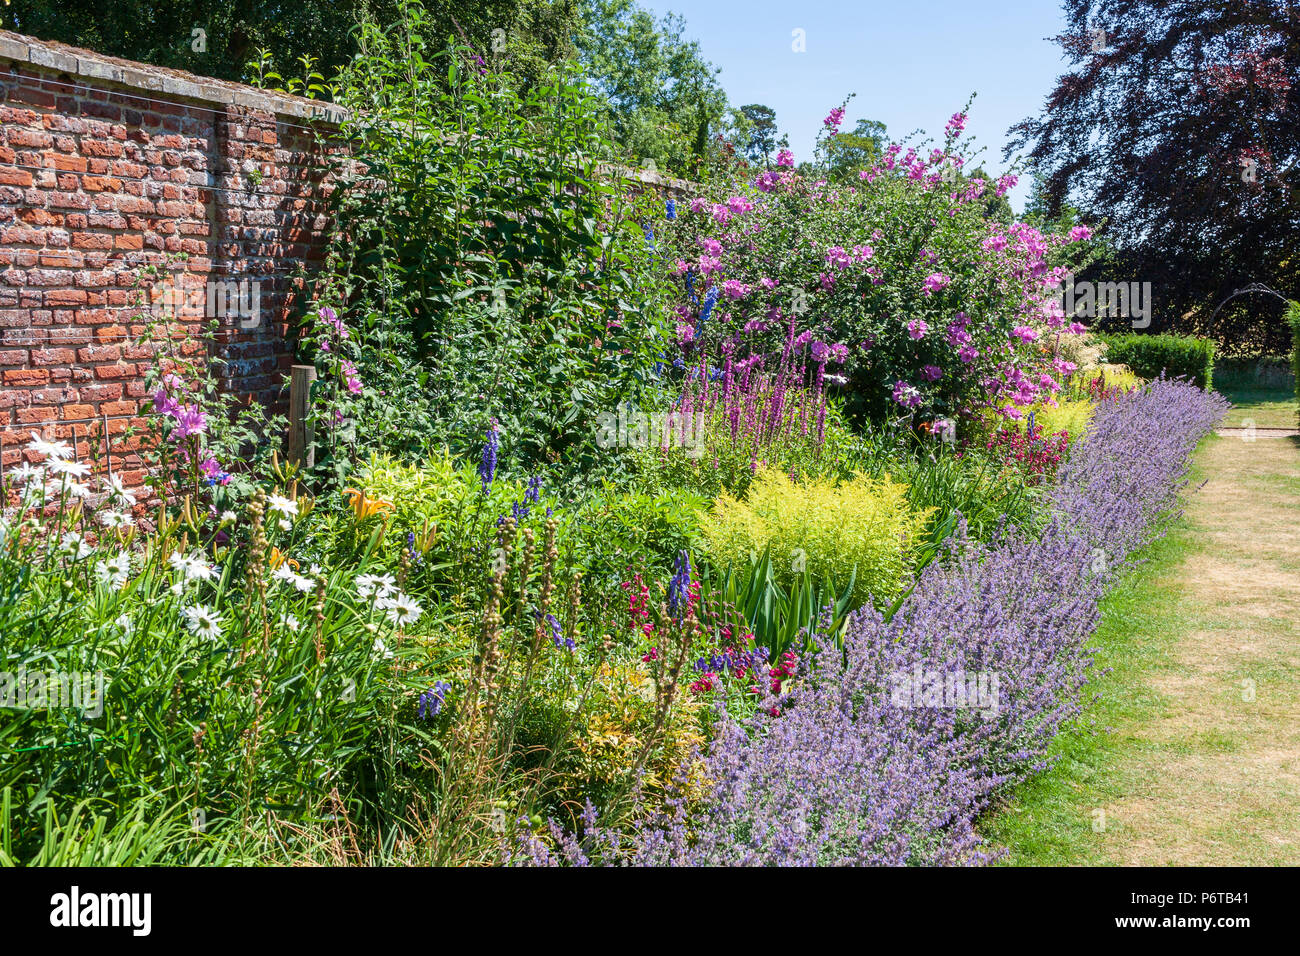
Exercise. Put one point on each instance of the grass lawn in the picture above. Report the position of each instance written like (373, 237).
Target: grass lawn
(1191, 752)
(1267, 407)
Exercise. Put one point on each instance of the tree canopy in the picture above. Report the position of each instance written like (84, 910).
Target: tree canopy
(1179, 121)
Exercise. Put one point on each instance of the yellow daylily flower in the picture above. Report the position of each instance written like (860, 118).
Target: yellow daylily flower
(364, 507)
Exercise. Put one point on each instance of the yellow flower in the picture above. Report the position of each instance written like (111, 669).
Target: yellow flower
(364, 507)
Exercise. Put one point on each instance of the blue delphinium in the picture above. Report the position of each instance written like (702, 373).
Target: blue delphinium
(487, 468)
(432, 699)
(706, 309)
(557, 633)
(670, 209)
(533, 490)
(679, 586)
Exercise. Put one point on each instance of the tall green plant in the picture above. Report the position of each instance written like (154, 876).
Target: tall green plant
(486, 262)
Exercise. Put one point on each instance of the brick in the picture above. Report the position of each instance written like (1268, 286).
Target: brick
(26, 376)
(15, 177)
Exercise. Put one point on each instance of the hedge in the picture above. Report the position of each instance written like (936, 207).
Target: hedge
(1177, 356)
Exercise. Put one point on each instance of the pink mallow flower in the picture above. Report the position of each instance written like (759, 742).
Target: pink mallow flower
(931, 373)
(917, 328)
(785, 158)
(934, 282)
(190, 420)
(906, 395)
(1079, 233)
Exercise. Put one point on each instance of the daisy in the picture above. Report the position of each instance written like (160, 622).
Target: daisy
(282, 506)
(50, 449)
(76, 545)
(117, 491)
(115, 519)
(76, 489)
(227, 517)
(125, 624)
(376, 585)
(286, 573)
(202, 622)
(27, 473)
(402, 610)
(114, 571)
(291, 623)
(74, 468)
(381, 650)
(192, 567)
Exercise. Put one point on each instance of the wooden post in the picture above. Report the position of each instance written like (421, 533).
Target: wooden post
(300, 447)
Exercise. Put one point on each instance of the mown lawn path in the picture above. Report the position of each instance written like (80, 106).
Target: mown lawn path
(1191, 755)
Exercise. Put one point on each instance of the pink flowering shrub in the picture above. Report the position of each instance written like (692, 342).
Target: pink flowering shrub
(939, 309)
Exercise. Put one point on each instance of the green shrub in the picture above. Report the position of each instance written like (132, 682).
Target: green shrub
(832, 530)
(1174, 355)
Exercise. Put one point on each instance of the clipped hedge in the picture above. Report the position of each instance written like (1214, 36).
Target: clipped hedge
(1293, 318)
(1177, 356)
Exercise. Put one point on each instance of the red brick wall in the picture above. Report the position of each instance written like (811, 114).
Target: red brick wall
(107, 167)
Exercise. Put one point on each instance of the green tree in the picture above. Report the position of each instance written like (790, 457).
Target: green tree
(531, 33)
(762, 132)
(664, 99)
(846, 153)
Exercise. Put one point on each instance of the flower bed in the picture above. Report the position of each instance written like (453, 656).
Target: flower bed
(855, 767)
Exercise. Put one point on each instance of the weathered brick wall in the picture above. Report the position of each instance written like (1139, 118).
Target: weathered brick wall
(107, 167)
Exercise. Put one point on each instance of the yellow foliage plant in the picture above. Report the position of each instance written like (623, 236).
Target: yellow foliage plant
(829, 528)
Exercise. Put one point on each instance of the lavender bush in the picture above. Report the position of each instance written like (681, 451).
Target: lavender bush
(846, 769)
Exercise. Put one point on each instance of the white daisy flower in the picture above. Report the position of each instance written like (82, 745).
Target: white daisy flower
(202, 622)
(74, 468)
(114, 571)
(27, 473)
(193, 567)
(381, 650)
(76, 545)
(228, 517)
(115, 519)
(282, 506)
(76, 489)
(403, 610)
(117, 491)
(50, 449)
(286, 573)
(124, 622)
(291, 623)
(375, 585)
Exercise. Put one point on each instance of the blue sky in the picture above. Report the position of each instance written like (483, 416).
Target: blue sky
(912, 63)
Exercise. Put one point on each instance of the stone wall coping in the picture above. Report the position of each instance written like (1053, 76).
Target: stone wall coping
(99, 68)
